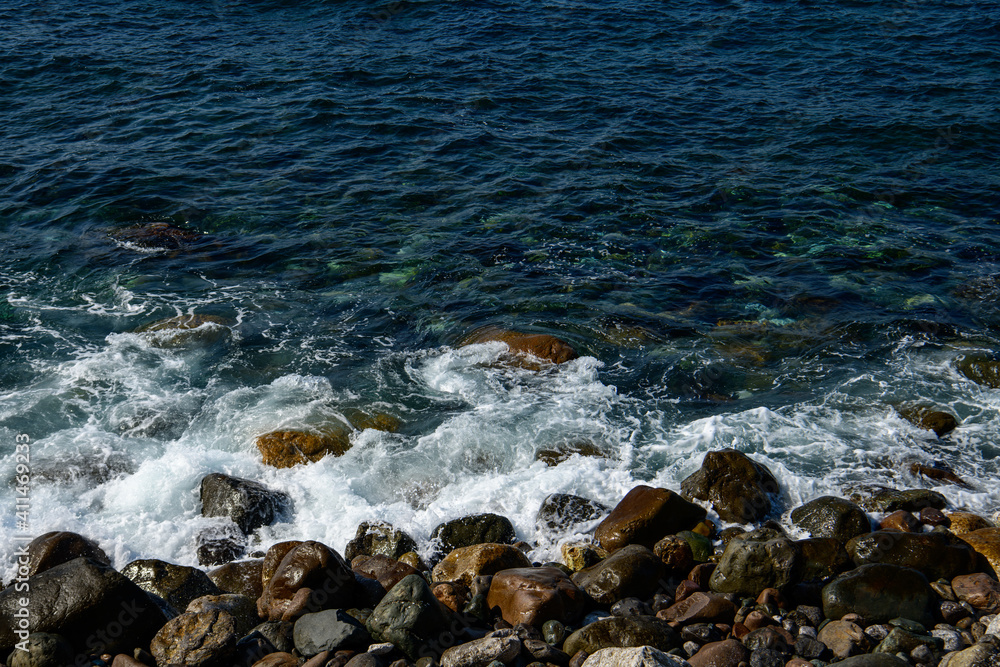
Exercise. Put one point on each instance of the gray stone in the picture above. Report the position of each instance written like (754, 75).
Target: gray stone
(620, 632)
(880, 592)
(561, 511)
(639, 656)
(633, 571)
(329, 630)
(471, 530)
(829, 516)
(481, 652)
(978, 655)
(755, 561)
(44, 650)
(413, 619)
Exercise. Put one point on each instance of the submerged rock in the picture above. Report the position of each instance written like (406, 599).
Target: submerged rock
(981, 370)
(156, 235)
(284, 449)
(561, 511)
(890, 500)
(526, 348)
(927, 418)
(555, 455)
(740, 490)
(186, 330)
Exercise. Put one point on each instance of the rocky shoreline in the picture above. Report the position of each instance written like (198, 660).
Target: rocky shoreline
(890, 578)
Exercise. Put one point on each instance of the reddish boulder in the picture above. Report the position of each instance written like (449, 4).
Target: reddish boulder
(645, 515)
(311, 577)
(901, 521)
(386, 571)
(700, 607)
(980, 590)
(727, 653)
(535, 595)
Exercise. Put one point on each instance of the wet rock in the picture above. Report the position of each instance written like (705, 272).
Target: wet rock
(197, 639)
(467, 563)
(980, 655)
(273, 557)
(471, 530)
(938, 472)
(978, 589)
(43, 649)
(644, 516)
(378, 538)
(701, 547)
(535, 595)
(55, 548)
(873, 660)
(640, 656)
(452, 594)
(414, 620)
(243, 578)
(986, 542)
(284, 449)
(633, 571)
(186, 330)
(700, 607)
(929, 419)
(311, 577)
(382, 569)
(481, 652)
(890, 500)
(822, 558)
(526, 349)
(756, 561)
(675, 553)
(770, 638)
(844, 639)
(557, 454)
(329, 630)
(903, 641)
(241, 608)
(901, 521)
(250, 505)
(156, 235)
(581, 555)
(810, 648)
(966, 522)
(279, 633)
(936, 555)
(617, 631)
(545, 653)
(281, 659)
(740, 490)
(561, 511)
(727, 653)
(220, 544)
(832, 517)
(933, 517)
(981, 370)
(880, 592)
(177, 584)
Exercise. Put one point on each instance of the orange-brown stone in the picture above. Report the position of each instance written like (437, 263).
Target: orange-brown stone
(645, 515)
(284, 449)
(535, 595)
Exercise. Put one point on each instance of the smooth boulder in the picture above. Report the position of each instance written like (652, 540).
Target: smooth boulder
(58, 547)
(311, 577)
(535, 595)
(561, 511)
(329, 630)
(936, 555)
(879, 593)
(645, 515)
(622, 632)
(410, 617)
(525, 347)
(755, 561)
(468, 531)
(249, 504)
(829, 516)
(633, 571)
(639, 656)
(467, 563)
(177, 584)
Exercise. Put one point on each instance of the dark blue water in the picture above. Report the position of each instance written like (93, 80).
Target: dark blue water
(763, 225)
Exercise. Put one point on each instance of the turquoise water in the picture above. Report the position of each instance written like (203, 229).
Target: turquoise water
(762, 225)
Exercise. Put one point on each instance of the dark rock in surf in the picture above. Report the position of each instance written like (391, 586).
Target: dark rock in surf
(55, 548)
(645, 515)
(177, 584)
(561, 511)
(832, 517)
(249, 504)
(471, 530)
(378, 538)
(740, 490)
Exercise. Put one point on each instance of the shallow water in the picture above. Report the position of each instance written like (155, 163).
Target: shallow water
(761, 225)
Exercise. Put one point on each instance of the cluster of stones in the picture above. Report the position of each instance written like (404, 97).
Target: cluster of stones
(656, 584)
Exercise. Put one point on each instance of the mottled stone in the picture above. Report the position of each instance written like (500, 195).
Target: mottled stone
(413, 619)
(481, 652)
(641, 656)
(756, 561)
(243, 578)
(936, 555)
(700, 607)
(740, 490)
(526, 349)
(890, 500)
(177, 584)
(633, 571)
(831, 517)
(622, 632)
(978, 589)
(986, 542)
(966, 522)
(581, 555)
(241, 608)
(879, 592)
(284, 449)
(675, 553)
(467, 563)
(378, 538)
(197, 639)
(645, 515)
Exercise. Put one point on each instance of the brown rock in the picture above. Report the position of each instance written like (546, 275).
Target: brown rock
(685, 589)
(311, 577)
(203, 639)
(700, 608)
(966, 522)
(926, 417)
(774, 597)
(701, 574)
(452, 594)
(284, 449)
(798, 662)
(980, 590)
(740, 490)
(645, 515)
(844, 639)
(242, 578)
(387, 571)
(981, 370)
(900, 520)
(727, 653)
(55, 548)
(277, 660)
(936, 555)
(240, 607)
(938, 473)
(156, 235)
(273, 558)
(185, 330)
(467, 563)
(123, 660)
(535, 595)
(675, 552)
(757, 619)
(527, 349)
